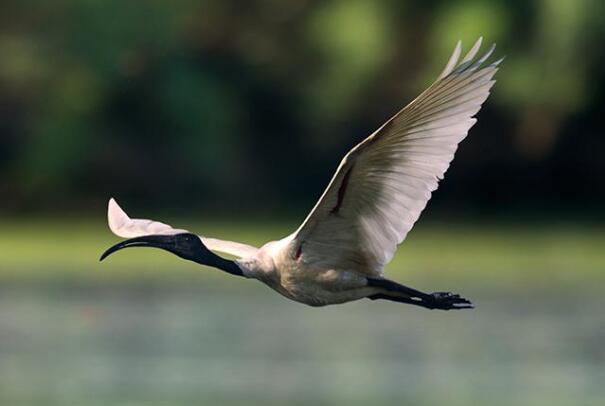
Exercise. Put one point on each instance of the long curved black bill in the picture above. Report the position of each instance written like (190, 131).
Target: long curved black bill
(165, 242)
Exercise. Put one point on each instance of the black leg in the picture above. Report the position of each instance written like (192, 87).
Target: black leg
(403, 294)
(399, 299)
(393, 286)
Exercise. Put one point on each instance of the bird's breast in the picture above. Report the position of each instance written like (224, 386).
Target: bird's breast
(278, 266)
(317, 287)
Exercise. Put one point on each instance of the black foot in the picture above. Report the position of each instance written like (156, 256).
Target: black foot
(448, 301)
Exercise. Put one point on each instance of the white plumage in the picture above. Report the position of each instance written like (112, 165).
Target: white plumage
(375, 197)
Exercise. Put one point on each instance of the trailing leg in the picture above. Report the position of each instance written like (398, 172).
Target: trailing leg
(399, 293)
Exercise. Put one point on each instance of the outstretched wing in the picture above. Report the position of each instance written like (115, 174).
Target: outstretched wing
(383, 184)
(125, 227)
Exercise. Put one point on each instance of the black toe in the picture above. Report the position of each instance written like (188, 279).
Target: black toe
(449, 301)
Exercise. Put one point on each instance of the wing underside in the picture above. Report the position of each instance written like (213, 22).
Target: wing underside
(383, 184)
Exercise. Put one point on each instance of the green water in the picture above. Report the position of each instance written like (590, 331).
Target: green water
(198, 343)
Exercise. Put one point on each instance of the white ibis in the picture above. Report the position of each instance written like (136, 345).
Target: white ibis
(379, 190)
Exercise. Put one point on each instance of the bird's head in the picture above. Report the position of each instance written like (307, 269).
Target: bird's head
(185, 245)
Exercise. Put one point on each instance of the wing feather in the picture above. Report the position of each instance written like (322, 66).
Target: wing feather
(123, 226)
(383, 184)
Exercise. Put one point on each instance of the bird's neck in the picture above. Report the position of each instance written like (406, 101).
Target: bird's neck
(215, 261)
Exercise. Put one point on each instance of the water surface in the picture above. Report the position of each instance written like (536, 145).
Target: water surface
(179, 344)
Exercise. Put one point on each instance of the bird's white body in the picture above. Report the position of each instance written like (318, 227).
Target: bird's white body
(375, 197)
(278, 266)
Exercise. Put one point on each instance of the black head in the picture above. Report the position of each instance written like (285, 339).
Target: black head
(186, 245)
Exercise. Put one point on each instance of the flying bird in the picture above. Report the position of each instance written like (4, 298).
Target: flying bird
(376, 195)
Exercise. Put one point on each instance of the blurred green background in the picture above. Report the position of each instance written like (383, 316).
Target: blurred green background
(228, 118)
